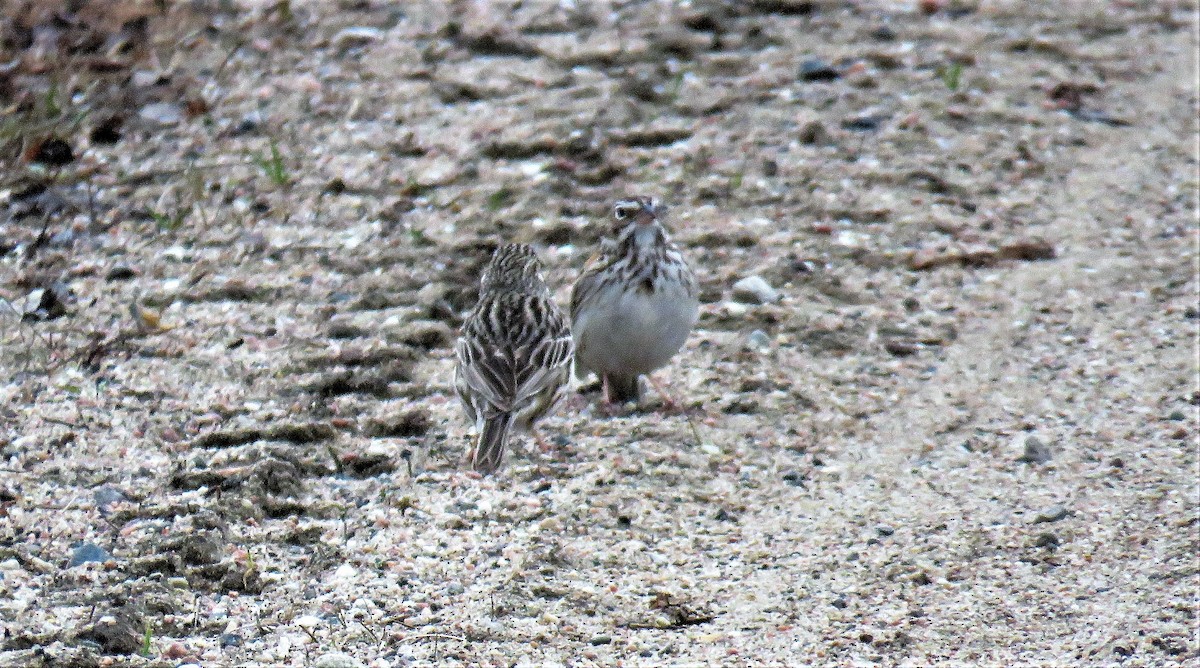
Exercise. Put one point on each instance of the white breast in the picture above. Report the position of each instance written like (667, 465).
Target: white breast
(635, 331)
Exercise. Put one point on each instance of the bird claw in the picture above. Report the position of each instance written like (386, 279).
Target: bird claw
(669, 405)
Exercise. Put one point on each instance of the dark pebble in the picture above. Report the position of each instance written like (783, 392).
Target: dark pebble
(53, 151)
(106, 496)
(814, 132)
(839, 602)
(345, 330)
(601, 640)
(63, 238)
(898, 348)
(118, 633)
(1177, 416)
(815, 69)
(1047, 540)
(643, 85)
(794, 478)
(88, 553)
(335, 187)
(249, 123)
(108, 131)
(883, 34)
(1096, 116)
(884, 530)
(120, 272)
(1036, 452)
(198, 549)
(1051, 514)
(862, 123)
(463, 507)
(230, 640)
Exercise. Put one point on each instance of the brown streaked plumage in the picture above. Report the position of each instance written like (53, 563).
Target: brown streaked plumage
(514, 354)
(635, 303)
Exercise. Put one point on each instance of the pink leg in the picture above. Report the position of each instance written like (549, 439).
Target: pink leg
(669, 403)
(541, 442)
(605, 402)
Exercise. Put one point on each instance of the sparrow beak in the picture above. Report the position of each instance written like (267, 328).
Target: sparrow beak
(645, 217)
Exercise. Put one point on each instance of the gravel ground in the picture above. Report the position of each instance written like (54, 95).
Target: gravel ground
(238, 240)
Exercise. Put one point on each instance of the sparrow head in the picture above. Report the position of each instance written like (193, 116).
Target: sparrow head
(637, 224)
(640, 210)
(514, 267)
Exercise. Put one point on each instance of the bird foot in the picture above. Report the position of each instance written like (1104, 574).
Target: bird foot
(669, 405)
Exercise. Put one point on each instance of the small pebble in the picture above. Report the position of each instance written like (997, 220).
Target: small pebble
(1036, 452)
(813, 132)
(64, 237)
(230, 640)
(758, 339)
(884, 530)
(735, 309)
(248, 123)
(337, 660)
(307, 621)
(794, 478)
(898, 348)
(862, 123)
(163, 113)
(1047, 540)
(43, 304)
(839, 602)
(600, 640)
(1051, 514)
(815, 69)
(107, 495)
(120, 272)
(884, 34)
(355, 36)
(454, 589)
(89, 553)
(851, 239)
(754, 290)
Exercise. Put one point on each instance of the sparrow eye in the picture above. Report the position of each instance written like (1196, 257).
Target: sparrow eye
(620, 213)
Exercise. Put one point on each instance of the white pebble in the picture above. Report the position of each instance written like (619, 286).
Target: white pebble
(754, 290)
